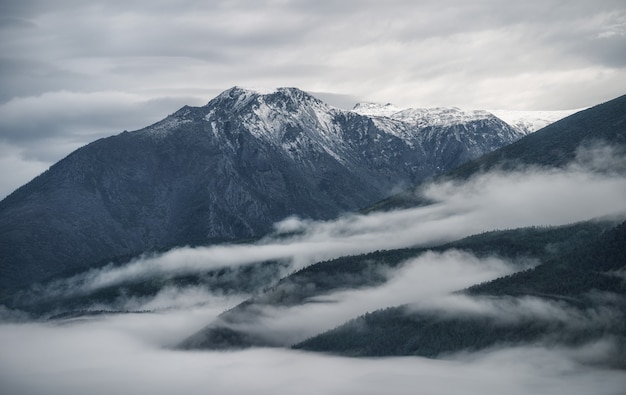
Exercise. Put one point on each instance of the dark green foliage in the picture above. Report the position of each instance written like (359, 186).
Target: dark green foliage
(368, 270)
(582, 265)
(399, 331)
(90, 313)
(584, 268)
(223, 338)
(533, 242)
(41, 300)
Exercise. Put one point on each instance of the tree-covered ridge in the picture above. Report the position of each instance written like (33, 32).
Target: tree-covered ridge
(59, 298)
(262, 279)
(399, 331)
(586, 267)
(582, 280)
(370, 270)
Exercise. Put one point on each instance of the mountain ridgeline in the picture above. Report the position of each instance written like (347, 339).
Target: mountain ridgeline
(582, 279)
(556, 145)
(235, 328)
(224, 172)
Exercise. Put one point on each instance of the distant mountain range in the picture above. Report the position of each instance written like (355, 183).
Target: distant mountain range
(224, 172)
(530, 121)
(525, 122)
(556, 145)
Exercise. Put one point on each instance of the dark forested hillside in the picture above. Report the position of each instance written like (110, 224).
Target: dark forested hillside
(369, 270)
(583, 280)
(586, 267)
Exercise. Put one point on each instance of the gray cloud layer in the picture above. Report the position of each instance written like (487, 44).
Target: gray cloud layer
(73, 71)
(122, 355)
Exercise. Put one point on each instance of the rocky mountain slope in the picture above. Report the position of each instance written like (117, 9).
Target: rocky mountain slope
(223, 172)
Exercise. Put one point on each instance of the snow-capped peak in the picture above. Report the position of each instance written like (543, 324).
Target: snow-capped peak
(439, 116)
(376, 109)
(531, 121)
(421, 117)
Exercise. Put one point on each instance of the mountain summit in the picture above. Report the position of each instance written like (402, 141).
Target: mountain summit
(222, 172)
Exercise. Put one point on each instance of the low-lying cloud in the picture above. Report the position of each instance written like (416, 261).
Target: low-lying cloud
(122, 354)
(511, 310)
(429, 275)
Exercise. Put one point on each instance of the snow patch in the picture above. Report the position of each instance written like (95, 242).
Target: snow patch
(530, 121)
(376, 109)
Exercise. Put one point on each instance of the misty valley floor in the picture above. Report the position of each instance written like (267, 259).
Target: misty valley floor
(130, 354)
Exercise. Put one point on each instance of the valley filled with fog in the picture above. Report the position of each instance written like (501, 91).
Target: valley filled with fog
(129, 354)
(136, 351)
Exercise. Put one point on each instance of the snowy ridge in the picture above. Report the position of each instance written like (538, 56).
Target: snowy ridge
(274, 115)
(376, 109)
(439, 116)
(531, 121)
(305, 128)
(524, 122)
(269, 114)
(421, 117)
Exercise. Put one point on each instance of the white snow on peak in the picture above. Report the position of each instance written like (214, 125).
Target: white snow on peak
(270, 119)
(249, 90)
(421, 117)
(524, 121)
(531, 121)
(439, 116)
(241, 96)
(261, 90)
(376, 109)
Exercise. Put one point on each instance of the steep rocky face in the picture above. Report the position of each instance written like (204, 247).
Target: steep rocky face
(223, 172)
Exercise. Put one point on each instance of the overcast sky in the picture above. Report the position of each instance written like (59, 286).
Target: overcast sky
(73, 71)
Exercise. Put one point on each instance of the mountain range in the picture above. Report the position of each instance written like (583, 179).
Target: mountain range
(226, 171)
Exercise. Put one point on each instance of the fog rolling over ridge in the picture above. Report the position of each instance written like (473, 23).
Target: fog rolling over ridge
(495, 200)
(122, 354)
